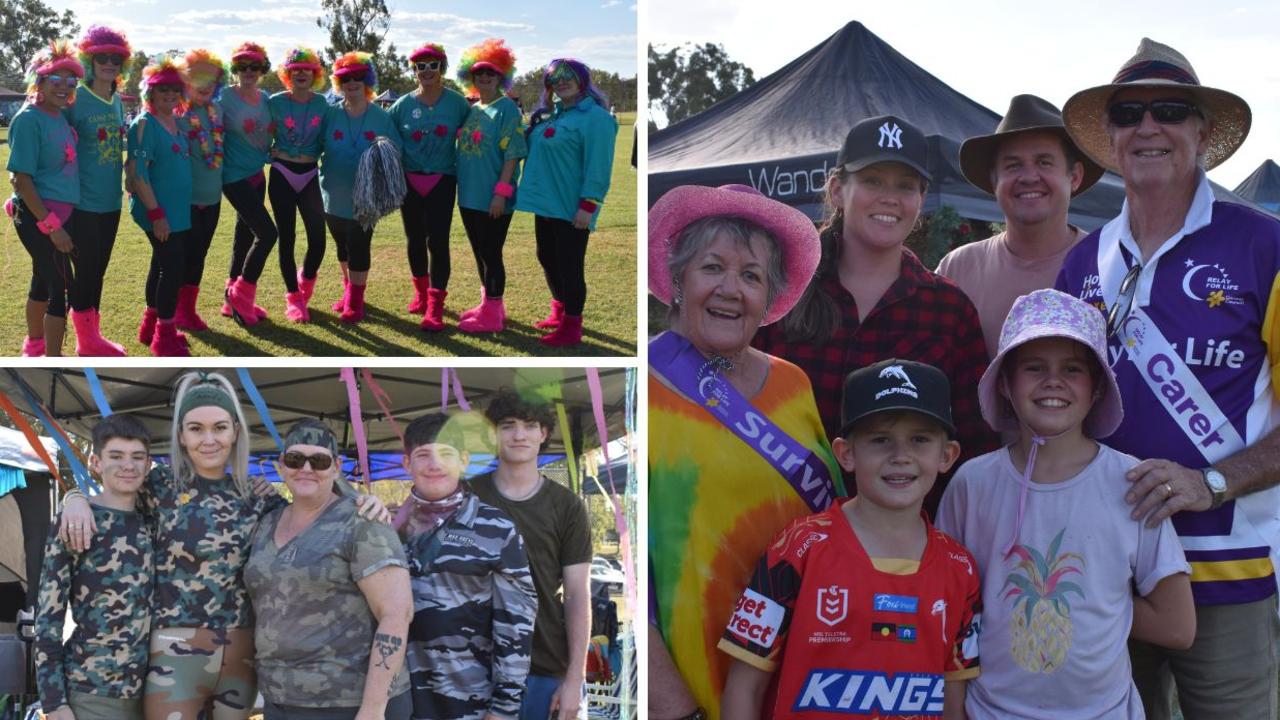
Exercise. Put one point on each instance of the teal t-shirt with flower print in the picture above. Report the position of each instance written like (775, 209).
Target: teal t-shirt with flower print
(247, 147)
(100, 130)
(570, 159)
(299, 126)
(44, 146)
(202, 126)
(345, 140)
(162, 160)
(430, 131)
(491, 135)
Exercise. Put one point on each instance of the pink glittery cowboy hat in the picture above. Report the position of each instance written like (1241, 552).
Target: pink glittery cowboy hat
(1043, 314)
(796, 235)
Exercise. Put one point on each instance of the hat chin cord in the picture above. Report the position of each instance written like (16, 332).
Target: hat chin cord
(1025, 480)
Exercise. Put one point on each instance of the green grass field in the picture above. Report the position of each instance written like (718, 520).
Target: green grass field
(610, 321)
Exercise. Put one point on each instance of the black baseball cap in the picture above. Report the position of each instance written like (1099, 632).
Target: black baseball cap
(896, 385)
(886, 138)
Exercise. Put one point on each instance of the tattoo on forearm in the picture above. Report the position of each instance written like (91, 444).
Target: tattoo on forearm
(387, 646)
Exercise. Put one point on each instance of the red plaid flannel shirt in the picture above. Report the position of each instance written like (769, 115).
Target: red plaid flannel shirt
(923, 317)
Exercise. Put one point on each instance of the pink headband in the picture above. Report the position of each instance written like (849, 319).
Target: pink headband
(250, 55)
(72, 66)
(486, 64)
(350, 69)
(107, 49)
(168, 76)
(425, 51)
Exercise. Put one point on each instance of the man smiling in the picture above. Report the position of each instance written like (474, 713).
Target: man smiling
(1178, 270)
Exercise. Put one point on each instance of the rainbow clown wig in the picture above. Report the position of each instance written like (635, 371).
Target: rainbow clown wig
(352, 63)
(492, 54)
(431, 51)
(102, 40)
(585, 88)
(249, 52)
(302, 58)
(202, 68)
(163, 70)
(57, 57)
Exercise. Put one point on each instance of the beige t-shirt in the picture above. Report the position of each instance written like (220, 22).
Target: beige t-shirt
(993, 277)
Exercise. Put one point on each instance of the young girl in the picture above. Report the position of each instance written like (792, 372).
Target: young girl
(1058, 555)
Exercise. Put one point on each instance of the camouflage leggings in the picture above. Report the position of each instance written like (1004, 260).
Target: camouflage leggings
(200, 674)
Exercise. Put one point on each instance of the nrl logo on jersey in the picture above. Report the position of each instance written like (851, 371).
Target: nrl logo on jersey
(1209, 284)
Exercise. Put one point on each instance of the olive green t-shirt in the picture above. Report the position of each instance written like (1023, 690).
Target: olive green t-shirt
(556, 533)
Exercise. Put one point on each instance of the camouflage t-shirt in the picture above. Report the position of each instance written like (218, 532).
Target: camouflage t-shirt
(314, 628)
(109, 590)
(202, 531)
(474, 604)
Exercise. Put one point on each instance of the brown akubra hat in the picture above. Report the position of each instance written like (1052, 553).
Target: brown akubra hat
(1027, 113)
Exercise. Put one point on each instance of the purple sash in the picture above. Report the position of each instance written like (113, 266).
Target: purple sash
(675, 359)
(422, 183)
(297, 181)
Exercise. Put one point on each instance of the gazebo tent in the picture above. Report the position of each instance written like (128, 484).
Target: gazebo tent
(1263, 187)
(781, 134)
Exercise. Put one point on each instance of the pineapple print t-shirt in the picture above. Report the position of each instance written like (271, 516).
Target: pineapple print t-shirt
(1058, 610)
(854, 636)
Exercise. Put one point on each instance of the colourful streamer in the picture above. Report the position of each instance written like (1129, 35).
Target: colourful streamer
(620, 520)
(32, 437)
(448, 375)
(95, 388)
(348, 376)
(258, 402)
(569, 455)
(384, 401)
(81, 473)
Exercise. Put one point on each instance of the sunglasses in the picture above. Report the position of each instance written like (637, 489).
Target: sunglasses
(294, 460)
(1165, 112)
(562, 74)
(483, 72)
(250, 67)
(61, 80)
(107, 59)
(359, 77)
(168, 88)
(1117, 313)
(427, 65)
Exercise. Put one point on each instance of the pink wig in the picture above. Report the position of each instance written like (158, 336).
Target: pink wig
(58, 57)
(163, 70)
(102, 40)
(302, 58)
(493, 54)
(356, 62)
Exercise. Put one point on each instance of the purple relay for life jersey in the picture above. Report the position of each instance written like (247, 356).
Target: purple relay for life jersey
(1213, 295)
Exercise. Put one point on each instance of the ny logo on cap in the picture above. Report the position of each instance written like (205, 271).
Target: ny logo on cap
(892, 136)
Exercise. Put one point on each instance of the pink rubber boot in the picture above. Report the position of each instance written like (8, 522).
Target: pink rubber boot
(567, 335)
(552, 321)
(469, 313)
(488, 320)
(341, 305)
(354, 310)
(295, 307)
(306, 287)
(33, 347)
(421, 285)
(167, 341)
(433, 318)
(89, 342)
(240, 296)
(147, 328)
(186, 316)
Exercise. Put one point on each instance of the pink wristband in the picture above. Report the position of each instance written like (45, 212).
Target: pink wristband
(506, 190)
(587, 205)
(49, 224)
(156, 214)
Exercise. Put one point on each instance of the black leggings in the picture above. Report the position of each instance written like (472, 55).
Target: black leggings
(487, 236)
(255, 231)
(562, 252)
(53, 269)
(96, 236)
(204, 221)
(426, 227)
(311, 206)
(167, 272)
(353, 241)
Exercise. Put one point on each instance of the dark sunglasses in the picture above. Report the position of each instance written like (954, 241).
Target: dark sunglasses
(1124, 301)
(354, 77)
(252, 67)
(107, 59)
(294, 460)
(1165, 112)
(427, 65)
(169, 88)
(485, 71)
(61, 80)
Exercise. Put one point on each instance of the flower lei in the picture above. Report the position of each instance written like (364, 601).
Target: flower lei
(210, 141)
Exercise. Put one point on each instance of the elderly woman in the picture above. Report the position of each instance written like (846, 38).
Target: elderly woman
(159, 175)
(490, 147)
(331, 593)
(350, 129)
(98, 119)
(726, 260)
(46, 187)
(872, 299)
(428, 119)
(566, 179)
(298, 114)
(247, 118)
(204, 516)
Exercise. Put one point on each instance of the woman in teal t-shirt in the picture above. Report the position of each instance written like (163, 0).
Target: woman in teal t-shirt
(490, 147)
(566, 177)
(98, 119)
(46, 187)
(159, 176)
(428, 120)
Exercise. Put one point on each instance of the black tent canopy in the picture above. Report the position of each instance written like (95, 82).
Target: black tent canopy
(1263, 186)
(781, 134)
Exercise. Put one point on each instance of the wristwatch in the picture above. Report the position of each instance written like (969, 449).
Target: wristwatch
(1217, 485)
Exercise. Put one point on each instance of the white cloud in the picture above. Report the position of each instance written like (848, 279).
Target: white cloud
(611, 3)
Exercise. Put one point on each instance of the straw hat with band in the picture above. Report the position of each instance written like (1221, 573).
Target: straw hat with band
(795, 233)
(1157, 65)
(1027, 114)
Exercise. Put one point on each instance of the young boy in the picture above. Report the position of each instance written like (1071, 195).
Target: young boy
(101, 670)
(865, 609)
(473, 596)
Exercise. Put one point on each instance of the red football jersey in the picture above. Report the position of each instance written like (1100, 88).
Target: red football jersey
(851, 639)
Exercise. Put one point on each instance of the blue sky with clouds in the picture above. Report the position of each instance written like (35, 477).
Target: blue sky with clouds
(602, 33)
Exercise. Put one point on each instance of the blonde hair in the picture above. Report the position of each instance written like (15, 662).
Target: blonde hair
(183, 469)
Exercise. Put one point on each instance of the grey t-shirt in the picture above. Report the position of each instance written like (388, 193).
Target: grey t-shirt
(314, 627)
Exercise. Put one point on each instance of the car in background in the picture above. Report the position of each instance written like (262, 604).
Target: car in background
(607, 571)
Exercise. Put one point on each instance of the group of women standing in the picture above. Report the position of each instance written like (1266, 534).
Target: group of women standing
(200, 137)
